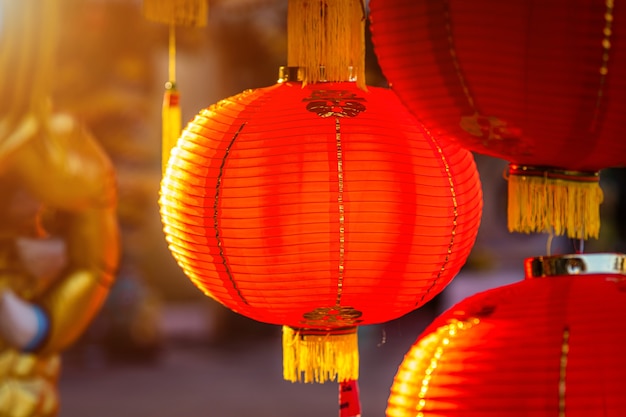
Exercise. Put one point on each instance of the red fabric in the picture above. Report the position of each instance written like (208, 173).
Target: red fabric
(252, 211)
(530, 69)
(510, 363)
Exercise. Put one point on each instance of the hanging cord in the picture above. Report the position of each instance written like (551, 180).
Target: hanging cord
(549, 242)
(349, 402)
(580, 247)
(191, 13)
(172, 55)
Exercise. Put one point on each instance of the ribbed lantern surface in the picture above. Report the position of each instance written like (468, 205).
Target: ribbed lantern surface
(548, 347)
(539, 84)
(318, 207)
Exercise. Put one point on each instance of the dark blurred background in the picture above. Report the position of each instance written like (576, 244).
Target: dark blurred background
(161, 348)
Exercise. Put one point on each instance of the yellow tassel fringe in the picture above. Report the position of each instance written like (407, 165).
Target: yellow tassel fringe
(177, 12)
(320, 356)
(540, 204)
(326, 39)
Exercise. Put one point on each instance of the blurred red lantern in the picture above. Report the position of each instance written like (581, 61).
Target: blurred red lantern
(537, 84)
(550, 346)
(319, 207)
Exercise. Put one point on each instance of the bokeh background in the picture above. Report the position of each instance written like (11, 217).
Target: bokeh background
(161, 348)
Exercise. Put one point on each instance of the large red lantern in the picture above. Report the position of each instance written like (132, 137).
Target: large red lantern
(551, 345)
(319, 207)
(537, 84)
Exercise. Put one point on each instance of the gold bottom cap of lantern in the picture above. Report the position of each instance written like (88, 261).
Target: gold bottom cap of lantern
(320, 355)
(545, 199)
(576, 264)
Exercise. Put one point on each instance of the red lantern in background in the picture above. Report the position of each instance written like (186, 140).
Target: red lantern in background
(550, 346)
(319, 207)
(539, 84)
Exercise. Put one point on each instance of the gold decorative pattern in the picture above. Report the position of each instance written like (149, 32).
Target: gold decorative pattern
(455, 59)
(342, 228)
(335, 103)
(338, 104)
(216, 225)
(562, 371)
(607, 31)
(325, 317)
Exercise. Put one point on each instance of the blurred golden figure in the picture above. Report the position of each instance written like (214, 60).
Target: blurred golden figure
(59, 238)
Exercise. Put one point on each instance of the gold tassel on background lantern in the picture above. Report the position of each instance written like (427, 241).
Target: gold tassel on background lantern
(326, 40)
(177, 12)
(320, 355)
(543, 199)
(173, 13)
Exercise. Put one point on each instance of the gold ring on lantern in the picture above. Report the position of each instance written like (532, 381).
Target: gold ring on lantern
(553, 173)
(332, 317)
(297, 74)
(576, 264)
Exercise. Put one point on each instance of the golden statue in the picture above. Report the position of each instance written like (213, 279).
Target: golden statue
(59, 238)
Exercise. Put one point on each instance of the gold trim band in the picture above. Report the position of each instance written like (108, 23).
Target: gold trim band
(337, 331)
(575, 264)
(553, 173)
(296, 74)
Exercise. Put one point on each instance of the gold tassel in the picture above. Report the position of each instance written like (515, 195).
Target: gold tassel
(541, 200)
(177, 12)
(320, 355)
(326, 40)
(173, 13)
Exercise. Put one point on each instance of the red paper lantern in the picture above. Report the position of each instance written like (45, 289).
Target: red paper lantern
(319, 207)
(538, 84)
(550, 346)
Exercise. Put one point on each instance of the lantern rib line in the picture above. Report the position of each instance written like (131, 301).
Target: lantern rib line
(455, 206)
(218, 184)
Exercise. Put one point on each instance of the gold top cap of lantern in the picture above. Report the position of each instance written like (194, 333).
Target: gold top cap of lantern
(576, 264)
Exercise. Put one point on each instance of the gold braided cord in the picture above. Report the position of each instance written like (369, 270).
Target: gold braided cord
(28, 38)
(326, 39)
(177, 12)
